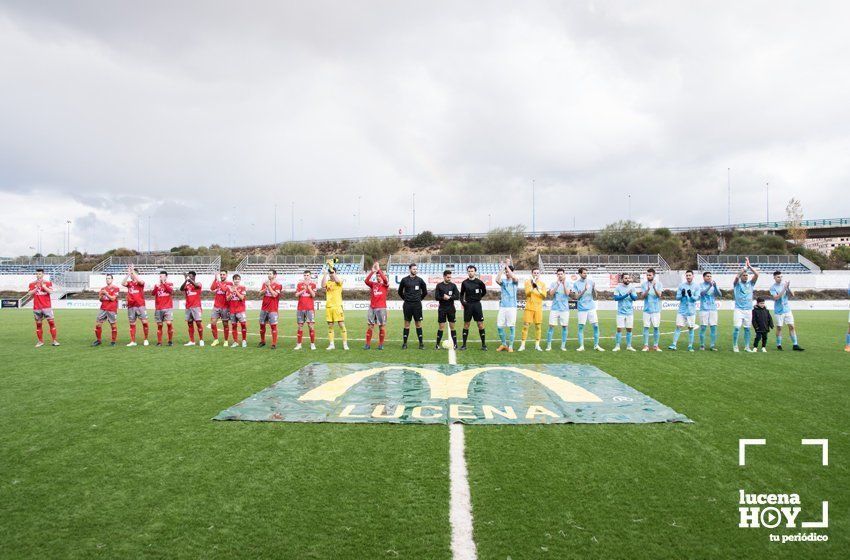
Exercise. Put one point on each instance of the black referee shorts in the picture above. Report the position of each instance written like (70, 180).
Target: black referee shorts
(472, 311)
(446, 315)
(412, 310)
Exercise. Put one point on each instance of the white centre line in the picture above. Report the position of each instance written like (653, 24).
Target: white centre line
(460, 506)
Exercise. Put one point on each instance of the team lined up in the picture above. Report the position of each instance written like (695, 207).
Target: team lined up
(229, 307)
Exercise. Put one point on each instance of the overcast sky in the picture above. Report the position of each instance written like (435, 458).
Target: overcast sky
(204, 116)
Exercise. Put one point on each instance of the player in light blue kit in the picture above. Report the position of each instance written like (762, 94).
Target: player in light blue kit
(559, 291)
(709, 292)
(506, 319)
(743, 288)
(651, 290)
(780, 291)
(687, 293)
(625, 296)
(584, 291)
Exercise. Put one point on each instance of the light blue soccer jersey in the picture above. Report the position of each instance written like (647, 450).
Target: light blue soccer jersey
(585, 302)
(708, 296)
(744, 295)
(508, 297)
(780, 306)
(561, 299)
(625, 297)
(687, 303)
(652, 303)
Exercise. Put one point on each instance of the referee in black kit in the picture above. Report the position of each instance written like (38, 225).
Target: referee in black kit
(412, 289)
(446, 294)
(471, 291)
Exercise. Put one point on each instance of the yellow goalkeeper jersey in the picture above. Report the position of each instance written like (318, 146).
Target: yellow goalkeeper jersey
(534, 296)
(333, 294)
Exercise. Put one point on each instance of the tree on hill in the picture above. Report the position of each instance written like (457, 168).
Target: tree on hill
(615, 238)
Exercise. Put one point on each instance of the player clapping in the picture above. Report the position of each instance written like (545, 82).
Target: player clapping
(42, 308)
(305, 291)
(136, 308)
(236, 309)
(108, 296)
(163, 296)
(271, 290)
(194, 315)
(221, 309)
(377, 315)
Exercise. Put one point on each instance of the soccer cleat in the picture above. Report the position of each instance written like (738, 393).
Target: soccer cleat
(422, 346)
(330, 346)
(234, 345)
(297, 346)
(690, 348)
(483, 347)
(510, 349)
(501, 348)
(379, 347)
(312, 346)
(796, 348)
(748, 349)
(96, 343)
(847, 348)
(404, 346)
(170, 343)
(615, 349)
(713, 349)
(658, 349)
(201, 342)
(190, 343)
(214, 342)
(365, 347)
(345, 346)
(735, 349)
(113, 343)
(436, 347)
(671, 347)
(702, 347)
(55, 343)
(630, 349)
(764, 349)
(521, 347)
(598, 348)
(39, 344)
(645, 349)
(261, 344)
(548, 347)
(146, 343)
(538, 348)
(159, 343)
(779, 347)
(244, 344)
(273, 347)
(580, 349)
(131, 343)
(463, 347)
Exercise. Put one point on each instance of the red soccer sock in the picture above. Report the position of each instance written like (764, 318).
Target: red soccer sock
(191, 331)
(235, 333)
(382, 334)
(159, 333)
(133, 332)
(52, 329)
(214, 329)
(226, 331)
(98, 331)
(145, 329)
(368, 336)
(274, 335)
(313, 336)
(263, 332)
(114, 332)
(39, 332)
(244, 331)
(300, 336)
(170, 332)
(200, 326)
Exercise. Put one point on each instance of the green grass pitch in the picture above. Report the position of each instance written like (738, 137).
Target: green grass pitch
(111, 453)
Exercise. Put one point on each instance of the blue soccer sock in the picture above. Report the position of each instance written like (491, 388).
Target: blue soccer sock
(735, 332)
(628, 338)
(563, 336)
(581, 335)
(690, 338)
(502, 335)
(513, 336)
(549, 334)
(702, 334)
(713, 336)
(746, 336)
(794, 339)
(617, 338)
(676, 334)
(847, 339)
(646, 336)
(596, 334)
(779, 340)
(656, 335)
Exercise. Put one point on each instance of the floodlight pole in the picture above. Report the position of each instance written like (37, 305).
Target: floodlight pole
(729, 196)
(767, 201)
(149, 234)
(275, 224)
(533, 209)
(414, 213)
(292, 219)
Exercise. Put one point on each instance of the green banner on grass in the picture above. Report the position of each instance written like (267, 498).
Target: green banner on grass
(441, 394)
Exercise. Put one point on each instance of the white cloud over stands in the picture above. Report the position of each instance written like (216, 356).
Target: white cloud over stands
(205, 117)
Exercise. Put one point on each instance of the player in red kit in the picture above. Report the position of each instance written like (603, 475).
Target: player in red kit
(108, 296)
(221, 308)
(191, 288)
(42, 309)
(268, 311)
(305, 291)
(377, 315)
(135, 304)
(163, 294)
(236, 302)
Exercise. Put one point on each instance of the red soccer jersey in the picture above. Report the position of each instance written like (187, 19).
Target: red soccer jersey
(106, 293)
(270, 303)
(193, 294)
(237, 305)
(162, 295)
(220, 288)
(306, 302)
(41, 297)
(135, 294)
(378, 289)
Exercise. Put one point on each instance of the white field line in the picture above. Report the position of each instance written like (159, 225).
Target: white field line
(460, 506)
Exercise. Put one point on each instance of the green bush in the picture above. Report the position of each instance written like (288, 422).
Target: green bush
(456, 247)
(505, 241)
(296, 248)
(840, 256)
(423, 240)
(815, 256)
(758, 244)
(120, 252)
(615, 238)
(376, 249)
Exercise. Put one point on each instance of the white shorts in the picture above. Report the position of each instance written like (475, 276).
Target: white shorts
(506, 317)
(625, 321)
(708, 318)
(559, 318)
(689, 321)
(784, 319)
(742, 318)
(585, 316)
(652, 319)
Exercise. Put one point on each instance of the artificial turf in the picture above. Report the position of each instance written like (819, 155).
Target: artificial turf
(110, 452)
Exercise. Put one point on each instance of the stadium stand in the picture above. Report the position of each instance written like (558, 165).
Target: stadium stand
(731, 264)
(53, 266)
(296, 264)
(436, 264)
(152, 264)
(549, 264)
